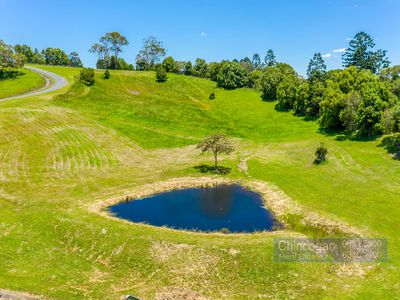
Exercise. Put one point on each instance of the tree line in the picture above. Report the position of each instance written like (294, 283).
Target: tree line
(16, 56)
(362, 99)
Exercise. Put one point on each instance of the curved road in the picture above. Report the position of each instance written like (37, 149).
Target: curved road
(58, 83)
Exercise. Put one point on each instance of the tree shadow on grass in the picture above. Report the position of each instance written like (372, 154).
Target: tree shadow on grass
(9, 73)
(207, 169)
(392, 145)
(342, 135)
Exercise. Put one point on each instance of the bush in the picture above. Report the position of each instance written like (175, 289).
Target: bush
(320, 154)
(87, 76)
(225, 230)
(10, 73)
(232, 75)
(212, 96)
(271, 78)
(287, 91)
(392, 145)
(107, 74)
(161, 74)
(170, 65)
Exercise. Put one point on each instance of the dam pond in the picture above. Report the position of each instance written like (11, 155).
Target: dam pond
(226, 208)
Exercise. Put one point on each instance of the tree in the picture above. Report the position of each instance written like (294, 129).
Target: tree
(113, 63)
(26, 51)
(247, 64)
(9, 58)
(271, 78)
(214, 68)
(320, 154)
(38, 58)
(161, 74)
(270, 59)
(107, 74)
(116, 42)
(87, 76)
(302, 98)
(360, 54)
(151, 53)
(123, 65)
(74, 60)
(232, 75)
(103, 54)
(200, 68)
(170, 65)
(188, 69)
(217, 143)
(286, 91)
(316, 68)
(55, 57)
(256, 60)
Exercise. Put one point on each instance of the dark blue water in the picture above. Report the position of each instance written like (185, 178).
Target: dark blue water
(202, 209)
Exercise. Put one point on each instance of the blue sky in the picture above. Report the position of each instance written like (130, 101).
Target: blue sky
(212, 30)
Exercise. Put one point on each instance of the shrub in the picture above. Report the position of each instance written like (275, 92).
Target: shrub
(161, 74)
(170, 65)
(320, 154)
(107, 74)
(271, 77)
(287, 91)
(392, 145)
(212, 96)
(87, 76)
(224, 230)
(232, 75)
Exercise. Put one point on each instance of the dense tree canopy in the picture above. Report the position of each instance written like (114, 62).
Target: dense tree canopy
(10, 58)
(271, 78)
(55, 57)
(26, 51)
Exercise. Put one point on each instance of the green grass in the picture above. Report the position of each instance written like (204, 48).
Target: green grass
(26, 82)
(59, 155)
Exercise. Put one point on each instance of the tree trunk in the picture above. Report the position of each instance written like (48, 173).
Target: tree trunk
(216, 160)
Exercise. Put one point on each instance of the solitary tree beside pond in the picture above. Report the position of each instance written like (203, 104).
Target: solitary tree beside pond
(217, 143)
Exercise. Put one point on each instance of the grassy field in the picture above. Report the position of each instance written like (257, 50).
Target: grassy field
(61, 153)
(27, 81)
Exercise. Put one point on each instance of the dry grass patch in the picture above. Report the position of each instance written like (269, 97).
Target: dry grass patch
(184, 260)
(178, 294)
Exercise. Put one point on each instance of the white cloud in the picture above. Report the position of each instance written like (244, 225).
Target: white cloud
(348, 39)
(327, 55)
(340, 50)
(203, 34)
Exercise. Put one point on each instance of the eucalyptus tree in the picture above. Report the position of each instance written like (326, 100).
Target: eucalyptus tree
(270, 58)
(256, 60)
(103, 54)
(115, 41)
(151, 53)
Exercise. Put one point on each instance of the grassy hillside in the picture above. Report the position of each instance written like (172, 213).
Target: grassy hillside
(27, 81)
(59, 155)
